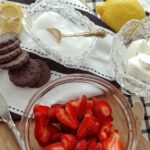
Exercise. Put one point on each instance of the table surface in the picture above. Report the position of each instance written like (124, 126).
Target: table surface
(7, 140)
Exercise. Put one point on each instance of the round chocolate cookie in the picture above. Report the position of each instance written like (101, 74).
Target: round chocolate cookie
(17, 62)
(7, 38)
(10, 47)
(44, 73)
(27, 75)
(10, 56)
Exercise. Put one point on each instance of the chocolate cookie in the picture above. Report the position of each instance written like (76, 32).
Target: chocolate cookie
(10, 56)
(27, 75)
(8, 38)
(17, 62)
(44, 73)
(10, 47)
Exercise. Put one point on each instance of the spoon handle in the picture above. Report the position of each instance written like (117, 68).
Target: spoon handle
(16, 133)
(99, 33)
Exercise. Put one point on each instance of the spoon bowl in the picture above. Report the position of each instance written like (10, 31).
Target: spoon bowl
(59, 35)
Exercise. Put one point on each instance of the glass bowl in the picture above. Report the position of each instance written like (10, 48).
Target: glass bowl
(72, 87)
(55, 52)
(131, 31)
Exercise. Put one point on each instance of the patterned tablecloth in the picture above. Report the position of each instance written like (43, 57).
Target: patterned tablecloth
(132, 99)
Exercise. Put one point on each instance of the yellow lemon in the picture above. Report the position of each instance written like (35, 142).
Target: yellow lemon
(10, 17)
(115, 13)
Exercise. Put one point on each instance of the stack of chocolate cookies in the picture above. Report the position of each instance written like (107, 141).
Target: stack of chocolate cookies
(23, 71)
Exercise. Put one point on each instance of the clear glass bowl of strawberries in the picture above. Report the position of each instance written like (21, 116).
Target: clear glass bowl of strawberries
(79, 112)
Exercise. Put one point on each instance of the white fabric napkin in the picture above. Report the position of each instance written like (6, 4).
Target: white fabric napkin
(17, 97)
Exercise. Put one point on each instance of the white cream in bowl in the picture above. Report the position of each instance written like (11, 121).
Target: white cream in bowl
(137, 60)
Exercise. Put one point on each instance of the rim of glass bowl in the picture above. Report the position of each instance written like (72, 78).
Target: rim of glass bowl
(133, 85)
(71, 15)
(85, 78)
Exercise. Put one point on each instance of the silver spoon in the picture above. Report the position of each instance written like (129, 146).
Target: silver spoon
(59, 35)
(6, 117)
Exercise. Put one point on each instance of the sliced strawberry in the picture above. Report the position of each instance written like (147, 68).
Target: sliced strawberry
(52, 114)
(69, 141)
(66, 129)
(72, 112)
(55, 146)
(93, 145)
(41, 130)
(57, 105)
(82, 107)
(99, 146)
(101, 107)
(63, 117)
(104, 131)
(41, 109)
(81, 145)
(56, 137)
(92, 141)
(89, 105)
(89, 126)
(113, 142)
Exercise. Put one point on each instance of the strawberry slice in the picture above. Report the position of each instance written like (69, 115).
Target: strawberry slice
(55, 146)
(66, 129)
(41, 130)
(102, 111)
(92, 141)
(105, 131)
(64, 118)
(72, 112)
(89, 105)
(88, 127)
(51, 113)
(56, 137)
(113, 142)
(93, 145)
(68, 140)
(41, 109)
(99, 146)
(57, 105)
(101, 107)
(81, 145)
(82, 107)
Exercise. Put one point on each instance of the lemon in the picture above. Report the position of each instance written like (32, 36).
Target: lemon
(10, 17)
(115, 13)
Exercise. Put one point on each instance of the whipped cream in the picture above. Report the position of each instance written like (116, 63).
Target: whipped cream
(137, 60)
(69, 46)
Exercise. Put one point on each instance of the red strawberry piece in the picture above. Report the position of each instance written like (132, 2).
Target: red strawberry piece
(99, 146)
(101, 107)
(55, 137)
(92, 143)
(40, 108)
(81, 145)
(89, 105)
(63, 117)
(57, 105)
(72, 112)
(82, 107)
(89, 126)
(66, 129)
(55, 146)
(113, 142)
(101, 110)
(51, 112)
(105, 131)
(69, 141)
(41, 130)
